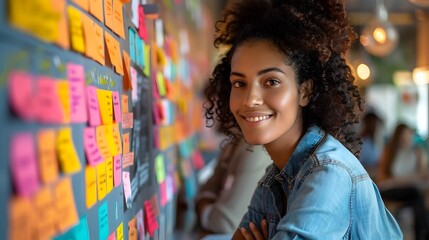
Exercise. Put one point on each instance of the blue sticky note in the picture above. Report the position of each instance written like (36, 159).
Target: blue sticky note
(131, 37)
(103, 221)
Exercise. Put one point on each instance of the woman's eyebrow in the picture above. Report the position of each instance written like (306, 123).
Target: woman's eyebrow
(263, 71)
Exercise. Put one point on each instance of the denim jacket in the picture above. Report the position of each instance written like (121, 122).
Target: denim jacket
(323, 192)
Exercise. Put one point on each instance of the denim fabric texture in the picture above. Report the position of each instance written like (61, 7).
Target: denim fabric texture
(323, 192)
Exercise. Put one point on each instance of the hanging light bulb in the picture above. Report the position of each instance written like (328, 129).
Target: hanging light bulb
(379, 37)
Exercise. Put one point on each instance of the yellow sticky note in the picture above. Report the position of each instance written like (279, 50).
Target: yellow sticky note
(109, 175)
(159, 168)
(118, 18)
(76, 29)
(101, 180)
(108, 13)
(100, 132)
(64, 95)
(46, 214)
(90, 186)
(120, 232)
(65, 204)
(110, 140)
(63, 33)
(146, 69)
(160, 81)
(106, 105)
(36, 17)
(117, 137)
(47, 155)
(22, 220)
(96, 9)
(69, 160)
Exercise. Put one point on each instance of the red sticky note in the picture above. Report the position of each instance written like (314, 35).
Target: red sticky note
(151, 224)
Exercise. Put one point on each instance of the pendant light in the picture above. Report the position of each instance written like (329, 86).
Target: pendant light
(379, 37)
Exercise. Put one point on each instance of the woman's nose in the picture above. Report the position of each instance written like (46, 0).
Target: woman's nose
(253, 97)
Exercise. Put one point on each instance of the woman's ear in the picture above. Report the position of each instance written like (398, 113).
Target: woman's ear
(305, 91)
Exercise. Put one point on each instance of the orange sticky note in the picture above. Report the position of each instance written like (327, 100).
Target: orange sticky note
(113, 48)
(118, 19)
(64, 95)
(94, 40)
(63, 35)
(126, 143)
(21, 219)
(106, 106)
(48, 164)
(101, 180)
(76, 30)
(132, 233)
(124, 103)
(65, 204)
(84, 4)
(108, 13)
(90, 186)
(127, 63)
(109, 175)
(69, 160)
(96, 9)
(46, 214)
(100, 132)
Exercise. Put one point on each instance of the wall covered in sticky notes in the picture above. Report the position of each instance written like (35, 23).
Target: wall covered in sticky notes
(99, 116)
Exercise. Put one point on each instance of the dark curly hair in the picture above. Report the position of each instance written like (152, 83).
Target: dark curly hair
(314, 36)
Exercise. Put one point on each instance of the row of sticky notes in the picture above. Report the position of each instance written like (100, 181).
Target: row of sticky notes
(37, 217)
(31, 160)
(139, 51)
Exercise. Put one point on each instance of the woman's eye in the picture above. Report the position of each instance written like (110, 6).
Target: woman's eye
(272, 82)
(238, 84)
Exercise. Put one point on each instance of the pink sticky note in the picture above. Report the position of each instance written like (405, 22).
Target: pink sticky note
(93, 154)
(116, 106)
(24, 164)
(127, 120)
(134, 92)
(21, 94)
(151, 224)
(93, 108)
(48, 107)
(197, 160)
(112, 236)
(163, 193)
(140, 224)
(117, 169)
(127, 188)
(76, 77)
(142, 24)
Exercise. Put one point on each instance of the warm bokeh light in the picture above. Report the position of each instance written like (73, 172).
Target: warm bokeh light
(363, 71)
(379, 35)
(364, 40)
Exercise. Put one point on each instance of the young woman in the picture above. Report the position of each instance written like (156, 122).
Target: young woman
(284, 83)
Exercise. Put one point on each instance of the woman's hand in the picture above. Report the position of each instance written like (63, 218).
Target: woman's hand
(256, 234)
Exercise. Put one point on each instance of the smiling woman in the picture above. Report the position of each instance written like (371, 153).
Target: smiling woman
(284, 83)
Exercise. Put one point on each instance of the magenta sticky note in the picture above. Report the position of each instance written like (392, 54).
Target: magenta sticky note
(142, 24)
(163, 193)
(48, 106)
(92, 152)
(23, 164)
(21, 94)
(116, 106)
(76, 78)
(93, 108)
(117, 170)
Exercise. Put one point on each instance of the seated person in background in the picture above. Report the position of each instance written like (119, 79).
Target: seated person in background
(223, 199)
(371, 148)
(402, 171)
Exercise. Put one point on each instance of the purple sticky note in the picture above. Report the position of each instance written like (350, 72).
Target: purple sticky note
(76, 77)
(116, 106)
(117, 170)
(93, 154)
(48, 106)
(21, 94)
(93, 108)
(24, 164)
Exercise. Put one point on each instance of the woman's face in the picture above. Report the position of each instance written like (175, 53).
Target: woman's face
(265, 98)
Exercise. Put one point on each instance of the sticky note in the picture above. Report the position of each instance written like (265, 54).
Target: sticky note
(163, 193)
(101, 180)
(135, 90)
(64, 204)
(94, 40)
(110, 140)
(127, 120)
(139, 51)
(127, 188)
(134, 12)
(93, 154)
(124, 103)
(116, 106)
(151, 224)
(96, 9)
(22, 219)
(105, 104)
(90, 186)
(99, 44)
(100, 133)
(159, 168)
(127, 71)
(48, 106)
(142, 24)
(116, 134)
(47, 155)
(117, 168)
(21, 94)
(109, 175)
(23, 164)
(76, 78)
(197, 160)
(120, 231)
(118, 19)
(64, 96)
(114, 50)
(132, 43)
(126, 143)
(76, 29)
(108, 14)
(160, 81)
(146, 69)
(103, 221)
(132, 233)
(67, 155)
(80, 231)
(62, 40)
(84, 4)
(127, 159)
(93, 108)
(46, 214)
(112, 236)
(140, 222)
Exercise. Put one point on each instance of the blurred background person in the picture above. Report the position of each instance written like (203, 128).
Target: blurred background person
(223, 199)
(403, 175)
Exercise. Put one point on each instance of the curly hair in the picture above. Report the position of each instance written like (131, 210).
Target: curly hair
(314, 36)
